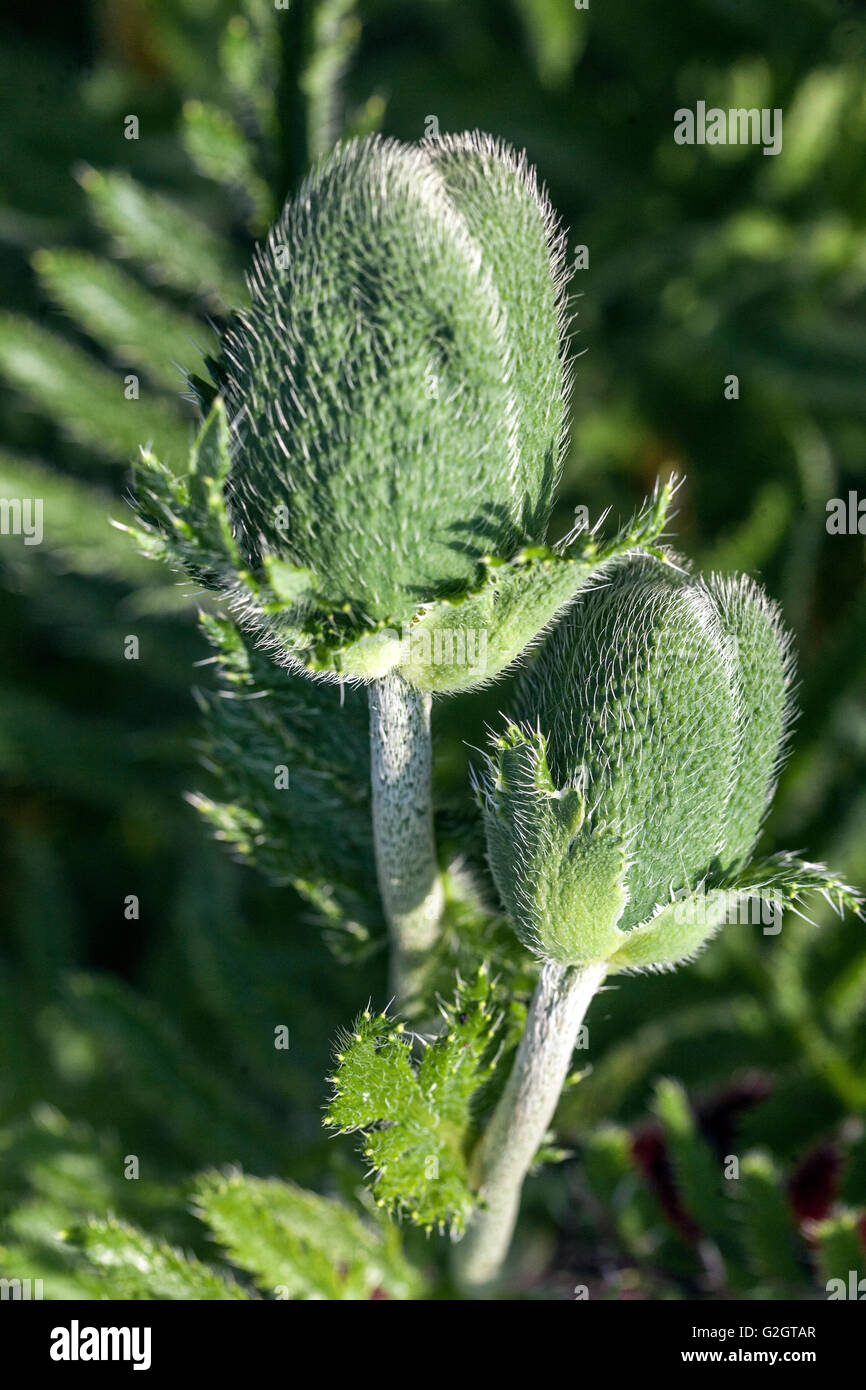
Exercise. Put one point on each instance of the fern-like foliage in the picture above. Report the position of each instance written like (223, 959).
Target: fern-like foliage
(277, 1241)
(418, 1114)
(293, 760)
(298, 1245)
(135, 1266)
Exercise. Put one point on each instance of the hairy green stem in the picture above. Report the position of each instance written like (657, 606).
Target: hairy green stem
(409, 879)
(522, 1117)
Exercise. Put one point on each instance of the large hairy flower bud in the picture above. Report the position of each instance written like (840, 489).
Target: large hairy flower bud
(372, 490)
(631, 790)
(396, 388)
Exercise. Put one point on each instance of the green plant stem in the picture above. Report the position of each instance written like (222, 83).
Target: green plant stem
(521, 1119)
(409, 878)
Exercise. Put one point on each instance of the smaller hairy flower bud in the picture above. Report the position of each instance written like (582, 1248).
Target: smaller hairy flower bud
(622, 807)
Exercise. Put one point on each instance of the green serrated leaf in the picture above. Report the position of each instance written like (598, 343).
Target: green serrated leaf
(76, 521)
(219, 150)
(86, 399)
(135, 1267)
(175, 248)
(417, 1118)
(250, 59)
(136, 327)
(788, 878)
(183, 516)
(333, 33)
(698, 1174)
(767, 1229)
(194, 1104)
(310, 825)
(299, 1245)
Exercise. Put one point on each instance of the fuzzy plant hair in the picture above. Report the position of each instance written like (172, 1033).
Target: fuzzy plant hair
(399, 374)
(624, 802)
(373, 485)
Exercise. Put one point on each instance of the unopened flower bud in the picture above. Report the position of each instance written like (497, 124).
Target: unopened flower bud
(641, 765)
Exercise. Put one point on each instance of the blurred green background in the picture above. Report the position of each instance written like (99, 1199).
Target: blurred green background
(124, 1035)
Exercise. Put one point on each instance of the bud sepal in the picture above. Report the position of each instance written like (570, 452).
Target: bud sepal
(453, 644)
